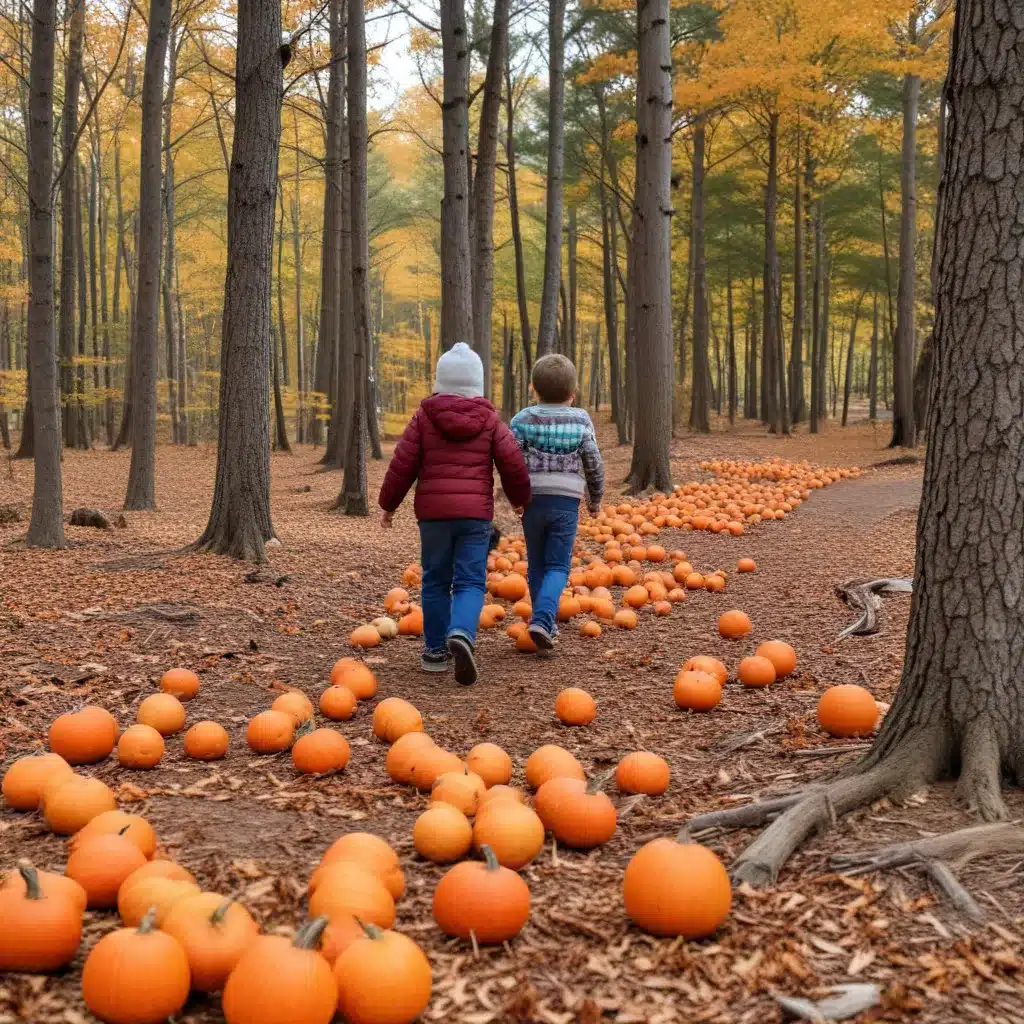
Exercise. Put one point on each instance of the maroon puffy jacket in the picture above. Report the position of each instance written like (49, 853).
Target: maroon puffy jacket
(448, 449)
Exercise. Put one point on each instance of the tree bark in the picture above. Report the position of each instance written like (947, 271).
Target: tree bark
(731, 335)
(700, 400)
(572, 246)
(81, 348)
(750, 398)
(167, 286)
(848, 382)
(796, 355)
(517, 234)
(46, 527)
(141, 493)
(483, 191)
(904, 432)
(823, 342)
(555, 179)
(300, 340)
(280, 426)
(456, 276)
(873, 364)
(776, 412)
(652, 255)
(240, 523)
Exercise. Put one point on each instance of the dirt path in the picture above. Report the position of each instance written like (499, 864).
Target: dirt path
(249, 825)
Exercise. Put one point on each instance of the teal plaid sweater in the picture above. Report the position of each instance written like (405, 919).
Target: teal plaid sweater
(560, 449)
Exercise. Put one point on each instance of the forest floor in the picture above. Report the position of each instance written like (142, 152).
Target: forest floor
(91, 622)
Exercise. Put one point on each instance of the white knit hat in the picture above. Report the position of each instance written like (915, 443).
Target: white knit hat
(460, 372)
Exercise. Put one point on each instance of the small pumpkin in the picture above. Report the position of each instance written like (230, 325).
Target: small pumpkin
(694, 581)
(296, 704)
(339, 934)
(715, 583)
(579, 815)
(734, 624)
(442, 834)
(662, 608)
(781, 655)
(675, 889)
(394, 717)
(625, 618)
(338, 703)
(524, 609)
(498, 793)
(50, 883)
(491, 763)
(136, 976)
(697, 691)
(207, 741)
(25, 778)
(369, 852)
(387, 628)
(712, 666)
(74, 802)
(395, 596)
(214, 932)
(574, 706)
(364, 636)
(590, 629)
(140, 746)
(383, 978)
(163, 712)
(42, 927)
(756, 672)
(568, 609)
(429, 763)
(320, 751)
(159, 868)
(349, 888)
(83, 737)
(483, 898)
(642, 772)
(411, 624)
(675, 595)
(513, 587)
(461, 789)
(270, 732)
(100, 865)
(746, 565)
(636, 597)
(181, 683)
(402, 754)
(512, 830)
(516, 630)
(356, 676)
(847, 710)
(137, 898)
(550, 761)
(131, 826)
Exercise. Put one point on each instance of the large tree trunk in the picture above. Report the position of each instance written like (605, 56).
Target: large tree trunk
(652, 250)
(958, 709)
(353, 498)
(554, 182)
(456, 276)
(796, 355)
(46, 528)
(517, 234)
(904, 432)
(873, 364)
(240, 522)
(700, 400)
(141, 492)
(483, 191)
(167, 287)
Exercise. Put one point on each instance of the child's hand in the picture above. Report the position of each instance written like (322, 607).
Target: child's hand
(386, 519)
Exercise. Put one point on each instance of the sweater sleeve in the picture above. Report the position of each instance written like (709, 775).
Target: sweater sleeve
(404, 467)
(593, 467)
(516, 426)
(515, 480)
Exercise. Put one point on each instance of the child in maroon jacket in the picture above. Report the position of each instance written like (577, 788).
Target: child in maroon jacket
(448, 449)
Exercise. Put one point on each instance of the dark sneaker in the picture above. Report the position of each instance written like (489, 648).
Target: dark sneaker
(541, 637)
(435, 661)
(461, 651)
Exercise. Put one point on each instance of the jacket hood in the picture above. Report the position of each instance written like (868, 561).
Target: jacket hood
(458, 418)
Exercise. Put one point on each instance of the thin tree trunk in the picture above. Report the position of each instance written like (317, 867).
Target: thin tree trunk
(94, 298)
(554, 180)
(572, 324)
(652, 250)
(281, 325)
(595, 370)
(81, 348)
(752, 404)
(796, 356)
(891, 315)
(848, 382)
(141, 493)
(873, 365)
(168, 263)
(609, 271)
(517, 235)
(46, 527)
(108, 383)
(280, 426)
(240, 523)
(700, 400)
(684, 317)
(730, 335)
(776, 412)
(816, 289)
(823, 353)
(300, 341)
(124, 431)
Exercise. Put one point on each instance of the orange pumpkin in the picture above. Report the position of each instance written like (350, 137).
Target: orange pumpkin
(577, 815)
(590, 629)
(574, 706)
(320, 751)
(356, 676)
(364, 636)
(136, 976)
(697, 691)
(279, 979)
(756, 672)
(442, 834)
(403, 753)
(50, 884)
(338, 936)
(140, 746)
(524, 642)
(712, 666)
(206, 741)
(549, 762)
(296, 704)
(461, 789)
(131, 826)
(675, 889)
(383, 978)
(394, 717)
(101, 864)
(25, 778)
(847, 710)
(781, 655)
(42, 928)
(180, 682)
(349, 888)
(746, 565)
(523, 608)
(371, 853)
(676, 594)
(270, 732)
(491, 763)
(734, 624)
(411, 624)
(625, 618)
(83, 737)
(642, 772)
(338, 703)
(395, 596)
(214, 932)
(159, 868)
(162, 712)
(75, 802)
(568, 608)
(694, 581)
(135, 899)
(512, 830)
(498, 793)
(429, 763)
(512, 587)
(490, 901)
(636, 597)
(662, 608)
(715, 583)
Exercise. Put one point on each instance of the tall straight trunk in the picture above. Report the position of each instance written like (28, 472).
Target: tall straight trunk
(816, 283)
(796, 354)
(94, 298)
(776, 412)
(733, 403)
(609, 274)
(282, 328)
(508, 377)
(108, 382)
(719, 381)
(353, 497)
(890, 309)
(700, 400)
(904, 430)
(684, 318)
(141, 492)
(456, 275)
(848, 382)
(573, 239)
(652, 251)
(124, 430)
(823, 351)
(483, 191)
(75, 426)
(168, 263)
(346, 383)
(873, 365)
(240, 523)
(81, 347)
(183, 417)
(372, 396)
(517, 234)
(751, 404)
(300, 341)
(46, 527)
(554, 181)
(280, 426)
(595, 370)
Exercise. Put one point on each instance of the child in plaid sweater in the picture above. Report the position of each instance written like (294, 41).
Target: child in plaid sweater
(564, 462)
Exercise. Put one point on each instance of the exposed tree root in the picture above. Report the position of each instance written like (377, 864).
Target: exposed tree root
(744, 816)
(863, 597)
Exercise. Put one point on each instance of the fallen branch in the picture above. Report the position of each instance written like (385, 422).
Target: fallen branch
(738, 740)
(745, 816)
(813, 753)
(863, 597)
(962, 900)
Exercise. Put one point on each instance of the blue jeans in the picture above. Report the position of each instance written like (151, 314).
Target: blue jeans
(549, 524)
(453, 553)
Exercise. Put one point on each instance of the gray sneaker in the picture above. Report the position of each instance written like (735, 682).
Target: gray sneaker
(461, 651)
(544, 640)
(435, 661)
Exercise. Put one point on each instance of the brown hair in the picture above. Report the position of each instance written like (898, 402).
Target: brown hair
(554, 378)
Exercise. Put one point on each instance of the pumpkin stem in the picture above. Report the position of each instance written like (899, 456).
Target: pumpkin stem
(217, 917)
(308, 936)
(31, 878)
(122, 831)
(148, 923)
(369, 928)
(490, 858)
(305, 729)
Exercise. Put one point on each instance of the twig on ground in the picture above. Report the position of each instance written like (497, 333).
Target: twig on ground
(746, 816)
(813, 753)
(961, 899)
